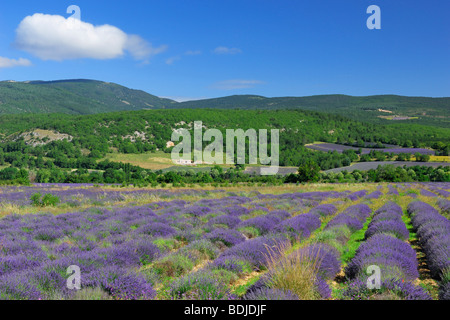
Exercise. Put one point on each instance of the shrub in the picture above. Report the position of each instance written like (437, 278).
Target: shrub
(296, 273)
(46, 201)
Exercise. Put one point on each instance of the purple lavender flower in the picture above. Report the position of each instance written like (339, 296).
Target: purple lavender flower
(357, 195)
(263, 224)
(301, 225)
(261, 283)
(19, 287)
(352, 217)
(270, 294)
(394, 227)
(227, 220)
(119, 284)
(235, 210)
(404, 290)
(280, 214)
(444, 205)
(322, 288)
(433, 231)
(231, 263)
(325, 257)
(157, 229)
(388, 219)
(427, 193)
(374, 195)
(443, 193)
(202, 285)
(324, 210)
(255, 251)
(444, 291)
(228, 237)
(395, 258)
(16, 263)
(392, 190)
(197, 211)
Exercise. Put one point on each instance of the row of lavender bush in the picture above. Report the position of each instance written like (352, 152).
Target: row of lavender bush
(433, 231)
(126, 251)
(324, 253)
(385, 247)
(277, 228)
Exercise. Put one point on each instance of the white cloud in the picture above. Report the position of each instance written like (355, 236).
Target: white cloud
(9, 63)
(53, 37)
(141, 49)
(236, 84)
(226, 50)
(171, 60)
(193, 53)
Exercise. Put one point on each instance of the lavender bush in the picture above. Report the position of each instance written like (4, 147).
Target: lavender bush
(433, 231)
(395, 258)
(391, 289)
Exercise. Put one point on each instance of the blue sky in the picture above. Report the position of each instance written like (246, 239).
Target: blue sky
(191, 49)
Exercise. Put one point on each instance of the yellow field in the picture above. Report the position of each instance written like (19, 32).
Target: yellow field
(157, 160)
(153, 161)
(440, 158)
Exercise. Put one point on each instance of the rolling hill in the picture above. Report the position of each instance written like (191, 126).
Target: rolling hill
(91, 97)
(73, 97)
(378, 109)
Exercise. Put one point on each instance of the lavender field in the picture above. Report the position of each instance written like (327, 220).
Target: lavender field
(390, 149)
(308, 242)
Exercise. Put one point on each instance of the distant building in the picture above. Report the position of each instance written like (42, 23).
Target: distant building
(187, 162)
(170, 144)
(184, 162)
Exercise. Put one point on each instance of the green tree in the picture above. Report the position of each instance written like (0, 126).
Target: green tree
(308, 171)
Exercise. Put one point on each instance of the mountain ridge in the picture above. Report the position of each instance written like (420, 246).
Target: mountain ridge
(88, 96)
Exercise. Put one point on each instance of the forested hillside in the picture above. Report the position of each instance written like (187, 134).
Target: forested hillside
(91, 97)
(376, 109)
(73, 97)
(144, 131)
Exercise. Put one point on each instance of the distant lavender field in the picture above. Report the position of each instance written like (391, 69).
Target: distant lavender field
(364, 166)
(325, 147)
(77, 194)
